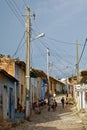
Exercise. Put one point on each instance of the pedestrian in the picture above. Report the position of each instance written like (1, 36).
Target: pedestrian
(51, 105)
(62, 101)
(55, 104)
(66, 99)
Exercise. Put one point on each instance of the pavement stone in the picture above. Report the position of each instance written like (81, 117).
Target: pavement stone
(61, 119)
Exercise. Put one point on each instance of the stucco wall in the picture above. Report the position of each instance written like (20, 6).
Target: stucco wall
(5, 85)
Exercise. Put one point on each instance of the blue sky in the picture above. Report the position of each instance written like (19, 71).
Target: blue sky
(62, 21)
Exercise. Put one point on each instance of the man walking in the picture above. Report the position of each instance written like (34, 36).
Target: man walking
(62, 101)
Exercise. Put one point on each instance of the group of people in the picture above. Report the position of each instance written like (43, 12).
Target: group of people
(52, 104)
(37, 105)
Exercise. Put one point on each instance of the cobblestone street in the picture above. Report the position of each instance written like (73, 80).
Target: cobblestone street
(61, 119)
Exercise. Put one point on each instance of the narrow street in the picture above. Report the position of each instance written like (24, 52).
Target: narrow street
(61, 119)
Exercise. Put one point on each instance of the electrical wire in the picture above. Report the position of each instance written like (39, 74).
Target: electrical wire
(60, 41)
(82, 51)
(64, 42)
(15, 12)
(20, 13)
(19, 45)
(52, 39)
(46, 45)
(54, 55)
(63, 50)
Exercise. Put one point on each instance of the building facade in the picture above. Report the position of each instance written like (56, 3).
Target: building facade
(7, 95)
(16, 68)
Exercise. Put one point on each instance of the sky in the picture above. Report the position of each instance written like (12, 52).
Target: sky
(62, 21)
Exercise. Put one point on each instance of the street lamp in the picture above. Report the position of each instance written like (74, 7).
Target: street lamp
(38, 36)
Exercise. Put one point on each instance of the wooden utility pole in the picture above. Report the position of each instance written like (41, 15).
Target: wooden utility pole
(28, 63)
(48, 71)
(77, 62)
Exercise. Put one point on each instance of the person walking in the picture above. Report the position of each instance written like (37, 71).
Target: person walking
(55, 104)
(67, 100)
(62, 101)
(51, 105)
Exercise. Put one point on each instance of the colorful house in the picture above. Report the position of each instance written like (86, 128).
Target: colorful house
(56, 86)
(60, 87)
(16, 68)
(7, 95)
(38, 85)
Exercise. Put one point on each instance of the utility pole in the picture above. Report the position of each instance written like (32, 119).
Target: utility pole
(28, 63)
(77, 62)
(48, 71)
(67, 79)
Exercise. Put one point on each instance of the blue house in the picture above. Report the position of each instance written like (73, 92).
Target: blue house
(16, 68)
(43, 88)
(7, 97)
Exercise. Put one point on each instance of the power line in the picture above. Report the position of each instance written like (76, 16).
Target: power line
(13, 9)
(20, 13)
(82, 51)
(19, 45)
(60, 41)
(64, 51)
(16, 50)
(54, 53)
